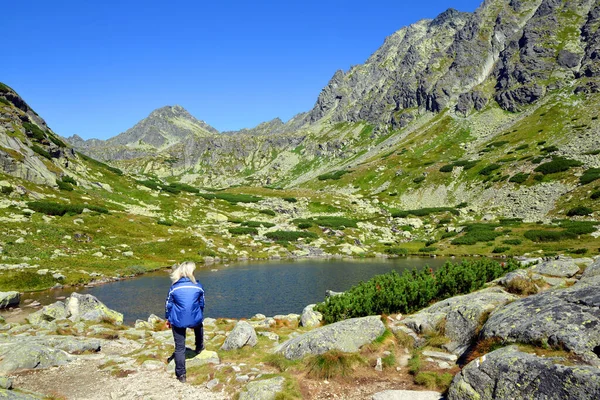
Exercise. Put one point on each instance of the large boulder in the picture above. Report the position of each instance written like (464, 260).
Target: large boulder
(563, 268)
(9, 299)
(12, 395)
(592, 270)
(51, 312)
(265, 389)
(567, 318)
(462, 316)
(310, 318)
(347, 336)
(70, 344)
(508, 373)
(18, 356)
(242, 334)
(88, 308)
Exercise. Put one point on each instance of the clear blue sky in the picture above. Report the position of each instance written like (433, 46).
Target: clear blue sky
(95, 68)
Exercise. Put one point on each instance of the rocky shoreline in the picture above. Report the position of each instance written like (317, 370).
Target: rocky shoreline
(497, 342)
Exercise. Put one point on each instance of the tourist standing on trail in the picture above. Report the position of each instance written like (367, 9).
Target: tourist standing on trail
(184, 309)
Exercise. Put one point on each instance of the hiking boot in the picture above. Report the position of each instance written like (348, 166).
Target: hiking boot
(181, 378)
(199, 350)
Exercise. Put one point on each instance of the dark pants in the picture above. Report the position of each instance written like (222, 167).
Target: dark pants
(179, 337)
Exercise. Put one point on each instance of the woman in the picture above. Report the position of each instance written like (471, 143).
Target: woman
(184, 309)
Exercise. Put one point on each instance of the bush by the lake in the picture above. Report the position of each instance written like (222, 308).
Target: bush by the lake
(427, 249)
(397, 251)
(243, 231)
(413, 290)
(304, 225)
(514, 242)
(590, 175)
(289, 236)
(558, 164)
(500, 249)
(290, 199)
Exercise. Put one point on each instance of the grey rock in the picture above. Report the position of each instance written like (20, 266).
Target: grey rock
(265, 389)
(88, 308)
(440, 356)
(508, 373)
(310, 318)
(242, 334)
(6, 382)
(567, 318)
(9, 299)
(592, 270)
(347, 336)
(407, 395)
(564, 268)
(212, 383)
(269, 335)
(20, 356)
(51, 312)
(12, 395)
(462, 315)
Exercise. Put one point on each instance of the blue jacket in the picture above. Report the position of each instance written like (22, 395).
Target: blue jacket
(185, 304)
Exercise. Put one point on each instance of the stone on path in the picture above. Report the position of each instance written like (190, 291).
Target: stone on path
(20, 356)
(347, 336)
(407, 395)
(265, 389)
(242, 334)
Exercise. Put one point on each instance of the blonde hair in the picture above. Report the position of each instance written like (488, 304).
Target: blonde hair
(185, 269)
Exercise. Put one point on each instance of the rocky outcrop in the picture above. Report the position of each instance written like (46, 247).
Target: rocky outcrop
(508, 373)
(347, 336)
(243, 334)
(12, 395)
(461, 316)
(9, 299)
(265, 389)
(19, 356)
(89, 308)
(565, 318)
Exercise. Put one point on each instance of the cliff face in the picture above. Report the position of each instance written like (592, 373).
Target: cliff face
(508, 51)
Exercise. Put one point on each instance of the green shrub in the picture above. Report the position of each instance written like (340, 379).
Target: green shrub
(41, 151)
(164, 222)
(477, 233)
(447, 168)
(579, 227)
(486, 171)
(267, 212)
(558, 164)
(510, 221)
(579, 251)
(500, 249)
(56, 140)
(290, 199)
(4, 101)
(519, 178)
(4, 88)
(413, 290)
(64, 186)
(7, 190)
(68, 179)
(182, 187)
(447, 235)
(466, 164)
(335, 222)
(36, 132)
(595, 195)
(304, 225)
(238, 198)
(419, 179)
(513, 242)
(521, 147)
(592, 153)
(398, 251)
(499, 143)
(258, 224)
(243, 231)
(334, 175)
(462, 205)
(589, 175)
(51, 208)
(428, 249)
(537, 235)
(422, 212)
(579, 211)
(97, 163)
(154, 185)
(289, 236)
(549, 149)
